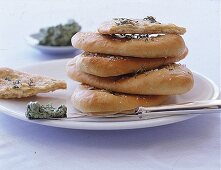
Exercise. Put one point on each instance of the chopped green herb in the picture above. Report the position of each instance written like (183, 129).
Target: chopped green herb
(17, 81)
(123, 21)
(151, 19)
(7, 78)
(37, 111)
(31, 82)
(16, 84)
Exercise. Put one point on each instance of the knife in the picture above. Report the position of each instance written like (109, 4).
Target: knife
(143, 113)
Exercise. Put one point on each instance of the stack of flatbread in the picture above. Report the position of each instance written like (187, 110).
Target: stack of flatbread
(128, 63)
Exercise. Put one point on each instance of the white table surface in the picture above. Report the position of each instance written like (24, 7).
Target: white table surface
(193, 144)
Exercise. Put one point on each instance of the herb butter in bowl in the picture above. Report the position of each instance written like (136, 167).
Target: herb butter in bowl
(55, 39)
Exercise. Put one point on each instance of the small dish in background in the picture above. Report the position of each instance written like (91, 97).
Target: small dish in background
(55, 39)
(33, 41)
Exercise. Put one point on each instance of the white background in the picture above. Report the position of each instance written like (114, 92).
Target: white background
(192, 144)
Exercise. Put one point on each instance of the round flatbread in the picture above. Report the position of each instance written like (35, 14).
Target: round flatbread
(169, 80)
(94, 101)
(138, 26)
(103, 65)
(169, 45)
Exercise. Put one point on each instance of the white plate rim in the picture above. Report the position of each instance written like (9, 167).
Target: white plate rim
(108, 125)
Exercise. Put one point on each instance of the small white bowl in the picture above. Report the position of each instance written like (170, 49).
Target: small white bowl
(33, 41)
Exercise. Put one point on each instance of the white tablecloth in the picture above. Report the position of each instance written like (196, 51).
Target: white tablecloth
(192, 144)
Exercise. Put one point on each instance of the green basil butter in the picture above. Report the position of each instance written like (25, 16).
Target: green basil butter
(59, 35)
(37, 111)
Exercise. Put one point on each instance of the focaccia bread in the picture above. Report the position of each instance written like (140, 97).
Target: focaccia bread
(104, 65)
(169, 45)
(99, 102)
(147, 25)
(168, 80)
(16, 84)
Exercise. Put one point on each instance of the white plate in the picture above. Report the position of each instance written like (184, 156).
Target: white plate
(204, 89)
(33, 40)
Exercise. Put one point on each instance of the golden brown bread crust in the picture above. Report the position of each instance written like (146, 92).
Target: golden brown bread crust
(95, 101)
(16, 84)
(103, 65)
(169, 45)
(169, 80)
(139, 27)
